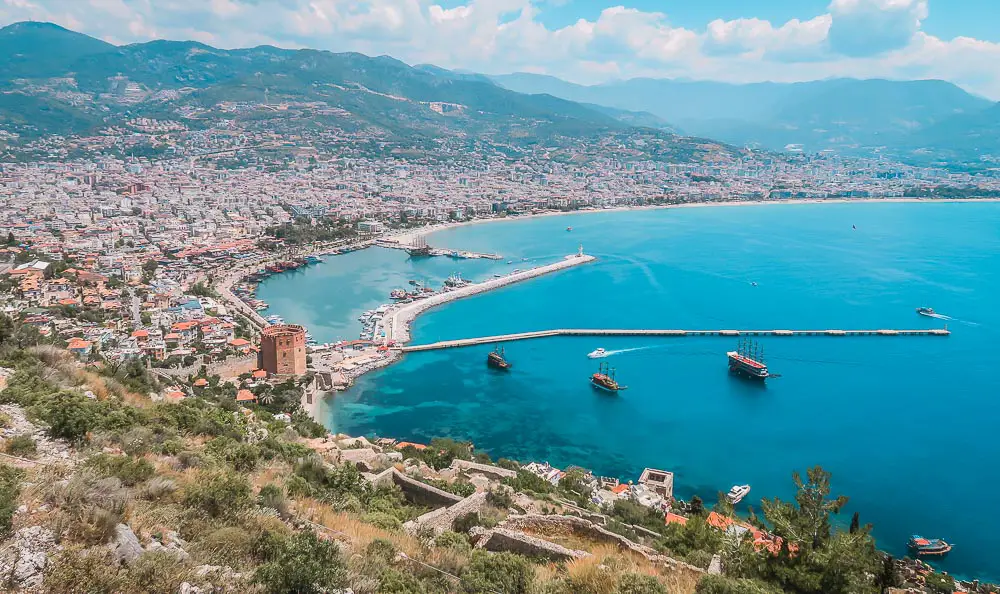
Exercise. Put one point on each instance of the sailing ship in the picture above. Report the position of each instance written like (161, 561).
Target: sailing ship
(496, 359)
(748, 361)
(605, 379)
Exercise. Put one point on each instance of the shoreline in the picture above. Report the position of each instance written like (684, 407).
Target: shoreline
(401, 317)
(406, 236)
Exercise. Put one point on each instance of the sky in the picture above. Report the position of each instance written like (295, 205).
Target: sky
(585, 41)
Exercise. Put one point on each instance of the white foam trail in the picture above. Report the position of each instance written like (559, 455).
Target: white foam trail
(941, 316)
(632, 350)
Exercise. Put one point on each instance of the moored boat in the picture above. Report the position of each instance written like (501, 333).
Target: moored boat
(928, 547)
(496, 359)
(748, 361)
(737, 493)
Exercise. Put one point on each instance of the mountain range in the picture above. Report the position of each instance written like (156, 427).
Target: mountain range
(58, 81)
(903, 117)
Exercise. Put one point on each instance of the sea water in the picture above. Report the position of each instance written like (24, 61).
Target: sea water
(907, 425)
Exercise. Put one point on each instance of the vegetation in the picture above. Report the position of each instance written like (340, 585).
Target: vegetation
(243, 491)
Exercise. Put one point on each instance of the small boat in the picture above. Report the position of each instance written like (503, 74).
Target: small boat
(569, 228)
(413, 282)
(510, 261)
(397, 294)
(737, 493)
(926, 311)
(496, 359)
(928, 547)
(597, 354)
(605, 380)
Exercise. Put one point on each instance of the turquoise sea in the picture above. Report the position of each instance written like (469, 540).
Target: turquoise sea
(908, 426)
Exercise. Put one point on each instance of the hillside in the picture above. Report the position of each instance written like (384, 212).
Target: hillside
(94, 82)
(843, 114)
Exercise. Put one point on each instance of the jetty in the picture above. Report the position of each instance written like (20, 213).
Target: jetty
(464, 342)
(397, 328)
(419, 247)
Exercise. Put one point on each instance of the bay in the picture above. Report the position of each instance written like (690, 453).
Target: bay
(906, 425)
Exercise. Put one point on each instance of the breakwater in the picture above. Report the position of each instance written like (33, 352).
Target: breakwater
(398, 319)
(463, 342)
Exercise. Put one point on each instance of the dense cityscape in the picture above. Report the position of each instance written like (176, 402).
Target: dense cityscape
(169, 430)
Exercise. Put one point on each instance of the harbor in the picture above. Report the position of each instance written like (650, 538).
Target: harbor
(398, 319)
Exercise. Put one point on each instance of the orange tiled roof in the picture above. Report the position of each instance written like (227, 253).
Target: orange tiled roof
(245, 396)
(407, 444)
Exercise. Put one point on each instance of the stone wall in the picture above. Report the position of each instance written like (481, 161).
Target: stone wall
(442, 519)
(416, 491)
(503, 540)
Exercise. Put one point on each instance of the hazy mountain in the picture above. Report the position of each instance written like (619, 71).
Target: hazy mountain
(841, 113)
(964, 136)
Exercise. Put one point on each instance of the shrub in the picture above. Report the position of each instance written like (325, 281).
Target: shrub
(637, 583)
(10, 490)
(95, 525)
(298, 486)
(131, 471)
(69, 415)
(452, 540)
(529, 483)
(22, 445)
(383, 521)
(272, 496)
(498, 572)
(500, 498)
(717, 584)
(940, 583)
(303, 564)
(189, 459)
(154, 571)
(698, 558)
(73, 567)
(4, 420)
(157, 487)
(232, 546)
(218, 492)
(138, 441)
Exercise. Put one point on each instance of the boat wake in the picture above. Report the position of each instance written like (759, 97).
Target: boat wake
(939, 316)
(623, 351)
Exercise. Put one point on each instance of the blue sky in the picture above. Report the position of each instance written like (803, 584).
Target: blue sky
(585, 41)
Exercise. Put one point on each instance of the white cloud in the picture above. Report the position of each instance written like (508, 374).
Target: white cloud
(871, 27)
(860, 38)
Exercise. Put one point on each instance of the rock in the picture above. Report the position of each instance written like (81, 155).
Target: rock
(186, 588)
(715, 567)
(23, 559)
(127, 548)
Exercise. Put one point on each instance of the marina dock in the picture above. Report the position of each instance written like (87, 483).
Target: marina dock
(464, 342)
(397, 321)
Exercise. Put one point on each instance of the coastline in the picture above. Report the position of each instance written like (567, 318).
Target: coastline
(407, 236)
(401, 317)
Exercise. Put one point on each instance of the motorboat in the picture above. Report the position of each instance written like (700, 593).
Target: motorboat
(597, 354)
(737, 493)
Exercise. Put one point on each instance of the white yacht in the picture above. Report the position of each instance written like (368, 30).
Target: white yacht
(737, 493)
(599, 353)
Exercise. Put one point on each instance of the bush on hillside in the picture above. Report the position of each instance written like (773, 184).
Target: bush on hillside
(218, 493)
(22, 445)
(498, 572)
(717, 584)
(303, 564)
(10, 490)
(131, 471)
(69, 415)
(637, 583)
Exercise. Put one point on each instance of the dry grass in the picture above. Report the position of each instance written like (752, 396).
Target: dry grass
(352, 531)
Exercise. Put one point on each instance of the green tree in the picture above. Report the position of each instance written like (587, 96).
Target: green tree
(808, 522)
